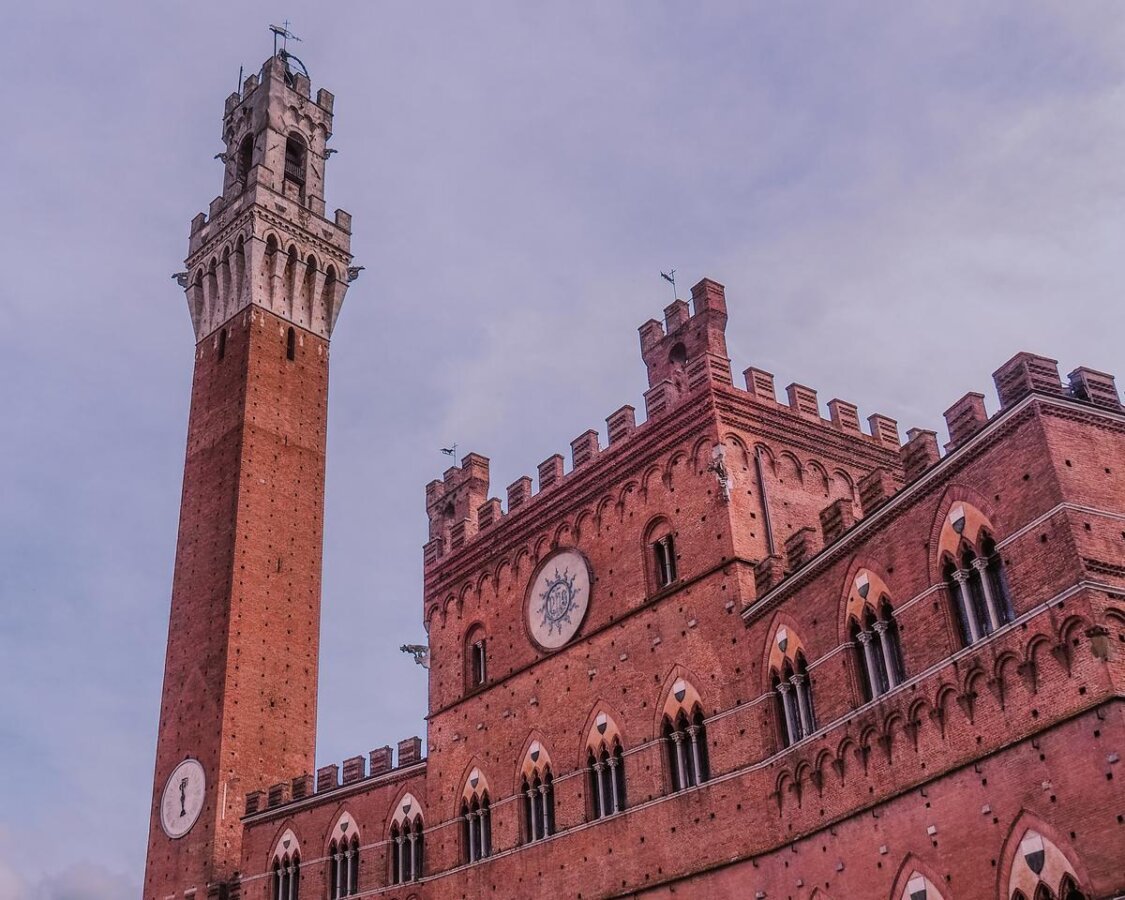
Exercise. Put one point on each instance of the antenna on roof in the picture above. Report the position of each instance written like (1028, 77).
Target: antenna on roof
(670, 277)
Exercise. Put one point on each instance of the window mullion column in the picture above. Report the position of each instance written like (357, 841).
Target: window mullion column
(889, 653)
(681, 764)
(613, 786)
(981, 565)
(962, 579)
(799, 688)
(783, 689)
(873, 680)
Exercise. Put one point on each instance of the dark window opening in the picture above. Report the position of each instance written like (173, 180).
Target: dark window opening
(686, 748)
(538, 794)
(295, 160)
(291, 344)
(664, 551)
(479, 663)
(476, 828)
(222, 343)
(245, 158)
(606, 773)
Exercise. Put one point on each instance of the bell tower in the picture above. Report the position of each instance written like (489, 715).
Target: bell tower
(266, 274)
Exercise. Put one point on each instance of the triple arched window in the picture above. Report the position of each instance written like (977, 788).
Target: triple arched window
(874, 633)
(605, 767)
(285, 878)
(684, 731)
(476, 819)
(796, 715)
(407, 848)
(978, 586)
(537, 794)
(343, 867)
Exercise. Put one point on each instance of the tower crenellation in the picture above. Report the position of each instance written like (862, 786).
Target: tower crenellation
(265, 241)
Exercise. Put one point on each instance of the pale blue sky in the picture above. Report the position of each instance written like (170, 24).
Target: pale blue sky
(897, 196)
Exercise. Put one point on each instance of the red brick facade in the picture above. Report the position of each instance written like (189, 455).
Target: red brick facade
(862, 670)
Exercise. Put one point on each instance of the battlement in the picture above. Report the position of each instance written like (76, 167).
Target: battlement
(328, 778)
(687, 352)
(1022, 375)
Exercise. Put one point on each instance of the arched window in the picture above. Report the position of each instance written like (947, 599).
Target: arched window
(538, 791)
(537, 794)
(978, 585)
(407, 837)
(291, 344)
(605, 767)
(343, 867)
(684, 731)
(286, 877)
(476, 819)
(295, 160)
(245, 158)
(660, 550)
(476, 658)
(407, 849)
(974, 573)
(877, 649)
(789, 679)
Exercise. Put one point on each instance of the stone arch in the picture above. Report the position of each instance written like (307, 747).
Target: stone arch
(405, 808)
(915, 880)
(561, 533)
(601, 728)
(344, 828)
(784, 643)
(286, 842)
(533, 756)
(580, 523)
(822, 474)
(653, 471)
(864, 586)
(946, 535)
(843, 485)
(670, 468)
(789, 465)
(1033, 843)
(474, 784)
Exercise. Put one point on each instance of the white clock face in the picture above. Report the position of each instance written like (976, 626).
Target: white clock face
(557, 599)
(183, 798)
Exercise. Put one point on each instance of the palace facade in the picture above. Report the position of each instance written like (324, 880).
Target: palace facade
(741, 650)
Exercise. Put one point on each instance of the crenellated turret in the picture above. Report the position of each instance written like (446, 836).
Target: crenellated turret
(265, 240)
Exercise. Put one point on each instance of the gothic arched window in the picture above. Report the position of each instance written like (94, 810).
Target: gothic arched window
(476, 819)
(245, 158)
(605, 769)
(878, 654)
(343, 867)
(286, 877)
(686, 742)
(796, 715)
(476, 658)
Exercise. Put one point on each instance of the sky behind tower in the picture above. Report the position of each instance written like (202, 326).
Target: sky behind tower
(898, 197)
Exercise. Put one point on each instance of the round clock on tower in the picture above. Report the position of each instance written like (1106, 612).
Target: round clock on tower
(265, 278)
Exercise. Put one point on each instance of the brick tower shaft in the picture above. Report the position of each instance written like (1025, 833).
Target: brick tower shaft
(266, 276)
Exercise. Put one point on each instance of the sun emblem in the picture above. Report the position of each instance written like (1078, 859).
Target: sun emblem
(559, 600)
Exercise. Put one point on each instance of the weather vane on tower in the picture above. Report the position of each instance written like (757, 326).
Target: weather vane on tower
(282, 31)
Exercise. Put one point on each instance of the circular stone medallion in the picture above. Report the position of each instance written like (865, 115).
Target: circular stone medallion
(183, 798)
(557, 599)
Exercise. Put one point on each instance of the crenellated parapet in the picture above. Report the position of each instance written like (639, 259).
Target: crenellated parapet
(354, 771)
(265, 240)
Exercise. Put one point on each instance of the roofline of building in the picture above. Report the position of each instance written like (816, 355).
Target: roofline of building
(911, 490)
(336, 793)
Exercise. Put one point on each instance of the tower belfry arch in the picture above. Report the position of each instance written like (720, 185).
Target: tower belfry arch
(266, 275)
